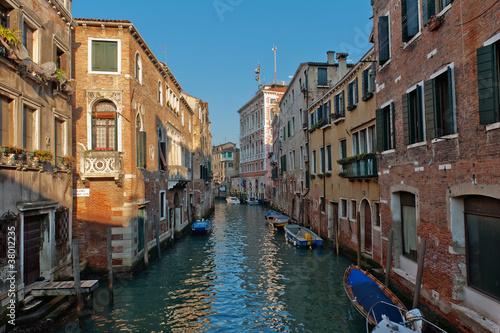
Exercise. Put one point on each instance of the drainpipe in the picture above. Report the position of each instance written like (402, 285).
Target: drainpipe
(324, 180)
(306, 92)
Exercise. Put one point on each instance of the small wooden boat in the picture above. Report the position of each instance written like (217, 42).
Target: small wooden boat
(278, 220)
(252, 201)
(301, 236)
(201, 226)
(233, 200)
(371, 298)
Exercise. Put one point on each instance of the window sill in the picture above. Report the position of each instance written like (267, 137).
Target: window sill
(492, 127)
(387, 152)
(338, 120)
(381, 67)
(163, 218)
(418, 144)
(446, 137)
(413, 39)
(105, 73)
(481, 303)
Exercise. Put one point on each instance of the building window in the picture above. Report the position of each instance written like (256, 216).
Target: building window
(140, 143)
(482, 230)
(104, 126)
(368, 82)
(432, 7)
(339, 105)
(439, 109)
(4, 16)
(104, 56)
(408, 225)
(301, 157)
(342, 149)
(352, 211)
(355, 143)
(322, 204)
(352, 94)
(371, 139)
(160, 93)
(162, 151)
(322, 160)
(60, 137)
(272, 101)
(488, 65)
(384, 40)
(289, 129)
(138, 67)
(6, 121)
(329, 158)
(29, 40)
(163, 205)
(293, 126)
(314, 161)
(29, 128)
(293, 159)
(386, 136)
(376, 213)
(410, 19)
(322, 77)
(413, 116)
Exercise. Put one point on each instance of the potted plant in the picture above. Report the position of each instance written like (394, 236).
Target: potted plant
(328, 174)
(313, 176)
(434, 22)
(320, 175)
(43, 155)
(66, 162)
(10, 36)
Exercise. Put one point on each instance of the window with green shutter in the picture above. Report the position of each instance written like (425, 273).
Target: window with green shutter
(439, 108)
(386, 135)
(413, 117)
(383, 40)
(104, 56)
(488, 66)
(410, 19)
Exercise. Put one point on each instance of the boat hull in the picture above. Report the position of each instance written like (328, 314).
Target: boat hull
(301, 236)
(366, 293)
(233, 200)
(201, 227)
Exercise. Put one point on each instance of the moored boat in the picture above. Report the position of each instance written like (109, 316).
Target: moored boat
(278, 220)
(252, 201)
(371, 299)
(201, 226)
(301, 236)
(232, 200)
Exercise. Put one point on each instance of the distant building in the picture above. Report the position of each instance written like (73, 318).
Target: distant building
(310, 82)
(256, 140)
(36, 123)
(226, 162)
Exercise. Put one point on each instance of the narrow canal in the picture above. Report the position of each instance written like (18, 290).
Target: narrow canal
(243, 277)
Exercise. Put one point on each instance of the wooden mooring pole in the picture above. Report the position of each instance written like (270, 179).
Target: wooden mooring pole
(389, 260)
(111, 295)
(420, 272)
(359, 238)
(337, 235)
(146, 259)
(158, 246)
(78, 289)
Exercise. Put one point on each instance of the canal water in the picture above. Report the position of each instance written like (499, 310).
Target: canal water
(242, 277)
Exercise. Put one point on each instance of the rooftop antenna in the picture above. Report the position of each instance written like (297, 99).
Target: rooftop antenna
(274, 49)
(257, 71)
(165, 53)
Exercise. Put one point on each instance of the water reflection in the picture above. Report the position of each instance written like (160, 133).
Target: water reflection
(243, 277)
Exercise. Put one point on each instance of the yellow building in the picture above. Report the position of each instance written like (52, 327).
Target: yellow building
(343, 167)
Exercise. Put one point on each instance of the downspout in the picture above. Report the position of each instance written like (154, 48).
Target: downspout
(324, 181)
(306, 92)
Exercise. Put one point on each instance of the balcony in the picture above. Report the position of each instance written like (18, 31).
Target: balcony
(178, 176)
(359, 166)
(101, 164)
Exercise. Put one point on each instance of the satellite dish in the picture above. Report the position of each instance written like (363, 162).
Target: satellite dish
(257, 71)
(49, 67)
(257, 78)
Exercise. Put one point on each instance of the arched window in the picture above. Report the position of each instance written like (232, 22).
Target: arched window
(160, 93)
(104, 129)
(138, 67)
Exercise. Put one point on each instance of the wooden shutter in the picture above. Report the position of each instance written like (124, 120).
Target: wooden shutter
(356, 95)
(419, 116)
(381, 130)
(342, 103)
(364, 83)
(392, 120)
(97, 56)
(449, 113)
(383, 39)
(112, 56)
(116, 131)
(487, 77)
(142, 149)
(404, 21)
(429, 9)
(405, 110)
(372, 78)
(430, 102)
(350, 101)
(289, 128)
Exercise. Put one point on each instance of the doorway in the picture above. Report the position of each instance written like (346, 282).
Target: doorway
(32, 226)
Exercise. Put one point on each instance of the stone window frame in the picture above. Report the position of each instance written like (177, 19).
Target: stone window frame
(119, 60)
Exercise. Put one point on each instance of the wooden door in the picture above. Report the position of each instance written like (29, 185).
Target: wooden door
(31, 248)
(368, 228)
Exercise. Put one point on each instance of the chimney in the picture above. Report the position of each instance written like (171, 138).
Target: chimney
(342, 70)
(330, 57)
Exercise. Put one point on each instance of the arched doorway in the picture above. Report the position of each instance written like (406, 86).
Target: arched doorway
(366, 226)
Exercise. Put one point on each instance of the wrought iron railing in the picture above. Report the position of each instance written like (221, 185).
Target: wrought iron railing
(364, 166)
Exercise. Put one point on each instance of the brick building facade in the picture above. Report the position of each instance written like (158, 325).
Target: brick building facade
(437, 131)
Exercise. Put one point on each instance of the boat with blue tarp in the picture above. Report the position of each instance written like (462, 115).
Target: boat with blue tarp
(201, 226)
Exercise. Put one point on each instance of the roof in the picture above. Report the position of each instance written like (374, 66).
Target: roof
(102, 20)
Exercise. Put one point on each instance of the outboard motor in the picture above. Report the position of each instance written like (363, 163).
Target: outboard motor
(414, 319)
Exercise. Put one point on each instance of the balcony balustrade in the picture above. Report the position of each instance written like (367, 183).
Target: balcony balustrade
(359, 166)
(101, 164)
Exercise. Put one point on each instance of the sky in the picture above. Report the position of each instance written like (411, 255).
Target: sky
(214, 46)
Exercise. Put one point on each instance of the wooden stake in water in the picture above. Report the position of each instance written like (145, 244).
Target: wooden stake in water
(420, 272)
(146, 261)
(78, 289)
(110, 267)
(158, 247)
(389, 260)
